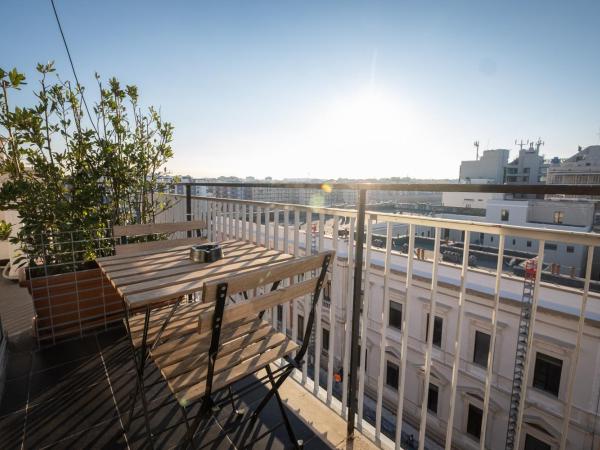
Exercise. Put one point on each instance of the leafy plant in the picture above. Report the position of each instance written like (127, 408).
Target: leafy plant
(71, 179)
(5, 229)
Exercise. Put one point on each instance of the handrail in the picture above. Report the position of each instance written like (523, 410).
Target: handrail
(566, 189)
(571, 237)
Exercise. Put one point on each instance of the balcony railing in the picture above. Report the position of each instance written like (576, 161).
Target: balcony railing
(384, 395)
(401, 379)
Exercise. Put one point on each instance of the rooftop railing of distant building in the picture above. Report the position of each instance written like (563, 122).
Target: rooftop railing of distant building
(278, 226)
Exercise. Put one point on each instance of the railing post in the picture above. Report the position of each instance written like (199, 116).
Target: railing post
(356, 307)
(188, 206)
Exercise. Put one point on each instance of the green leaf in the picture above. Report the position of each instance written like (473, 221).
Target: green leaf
(16, 78)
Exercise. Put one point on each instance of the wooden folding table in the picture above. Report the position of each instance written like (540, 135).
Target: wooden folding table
(152, 279)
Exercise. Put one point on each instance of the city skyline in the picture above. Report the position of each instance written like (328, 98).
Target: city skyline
(336, 90)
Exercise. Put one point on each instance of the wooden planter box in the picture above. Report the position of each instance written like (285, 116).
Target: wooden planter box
(73, 304)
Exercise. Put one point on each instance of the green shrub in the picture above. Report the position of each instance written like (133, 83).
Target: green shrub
(69, 176)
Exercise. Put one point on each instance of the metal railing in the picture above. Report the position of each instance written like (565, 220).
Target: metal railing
(279, 226)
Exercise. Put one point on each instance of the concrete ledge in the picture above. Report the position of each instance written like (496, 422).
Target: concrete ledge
(318, 416)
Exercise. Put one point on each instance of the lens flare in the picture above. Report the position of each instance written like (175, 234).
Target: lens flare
(325, 187)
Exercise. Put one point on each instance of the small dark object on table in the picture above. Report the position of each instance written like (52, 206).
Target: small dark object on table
(205, 253)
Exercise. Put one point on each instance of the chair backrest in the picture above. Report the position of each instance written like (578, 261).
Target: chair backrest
(193, 228)
(217, 291)
(259, 280)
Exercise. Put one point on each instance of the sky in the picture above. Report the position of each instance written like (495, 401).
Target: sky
(332, 89)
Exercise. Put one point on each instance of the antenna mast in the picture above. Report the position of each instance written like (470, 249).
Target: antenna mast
(521, 144)
(538, 144)
(476, 144)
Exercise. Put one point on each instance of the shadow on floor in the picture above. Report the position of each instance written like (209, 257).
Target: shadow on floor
(77, 394)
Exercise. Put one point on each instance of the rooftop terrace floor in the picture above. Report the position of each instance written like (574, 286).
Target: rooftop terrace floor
(77, 395)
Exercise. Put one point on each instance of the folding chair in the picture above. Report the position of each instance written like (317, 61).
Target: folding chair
(232, 341)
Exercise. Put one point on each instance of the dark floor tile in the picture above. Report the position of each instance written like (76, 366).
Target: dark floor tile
(22, 343)
(62, 416)
(106, 435)
(268, 430)
(14, 397)
(118, 357)
(278, 439)
(115, 335)
(246, 392)
(11, 430)
(316, 443)
(157, 393)
(211, 436)
(65, 379)
(18, 364)
(64, 352)
(168, 428)
(161, 418)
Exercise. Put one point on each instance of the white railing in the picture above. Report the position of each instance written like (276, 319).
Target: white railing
(565, 322)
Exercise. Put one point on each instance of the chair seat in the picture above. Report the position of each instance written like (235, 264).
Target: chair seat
(246, 346)
(184, 319)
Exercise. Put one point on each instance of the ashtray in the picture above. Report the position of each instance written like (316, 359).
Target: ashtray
(205, 253)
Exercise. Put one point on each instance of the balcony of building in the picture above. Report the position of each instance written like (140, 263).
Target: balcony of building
(69, 385)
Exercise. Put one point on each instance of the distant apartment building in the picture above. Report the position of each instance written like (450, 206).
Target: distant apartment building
(489, 169)
(576, 214)
(528, 168)
(581, 168)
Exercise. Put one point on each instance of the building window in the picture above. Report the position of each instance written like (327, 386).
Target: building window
(528, 243)
(514, 242)
(570, 249)
(474, 418)
(504, 215)
(395, 316)
(432, 398)
(327, 291)
(547, 373)
(482, 348)
(559, 216)
(549, 246)
(491, 238)
(438, 324)
(300, 335)
(392, 375)
(325, 339)
(532, 443)
(280, 314)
